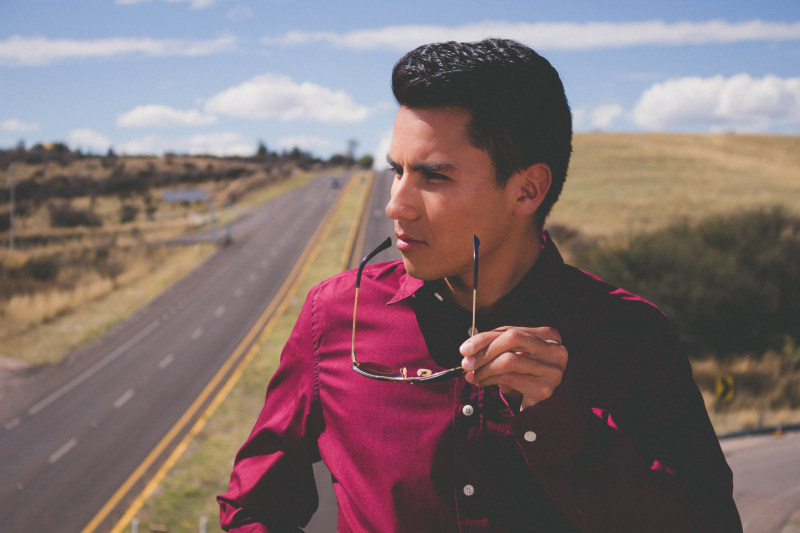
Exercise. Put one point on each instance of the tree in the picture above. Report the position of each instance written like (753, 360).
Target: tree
(262, 151)
(366, 161)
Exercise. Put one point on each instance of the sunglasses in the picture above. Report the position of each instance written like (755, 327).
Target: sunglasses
(386, 373)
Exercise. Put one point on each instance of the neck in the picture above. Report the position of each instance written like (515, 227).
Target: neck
(497, 275)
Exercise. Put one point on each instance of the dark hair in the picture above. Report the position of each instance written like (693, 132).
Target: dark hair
(520, 114)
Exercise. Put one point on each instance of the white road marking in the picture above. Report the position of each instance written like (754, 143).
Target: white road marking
(238, 292)
(122, 400)
(264, 263)
(59, 453)
(14, 422)
(166, 361)
(89, 372)
(196, 334)
(220, 311)
(252, 277)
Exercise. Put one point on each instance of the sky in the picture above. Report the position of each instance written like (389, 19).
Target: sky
(218, 77)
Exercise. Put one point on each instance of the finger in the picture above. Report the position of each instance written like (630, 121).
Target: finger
(519, 364)
(479, 342)
(520, 340)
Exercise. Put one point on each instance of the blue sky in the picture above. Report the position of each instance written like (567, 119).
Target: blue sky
(218, 76)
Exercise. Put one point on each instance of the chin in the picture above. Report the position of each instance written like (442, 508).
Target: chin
(419, 273)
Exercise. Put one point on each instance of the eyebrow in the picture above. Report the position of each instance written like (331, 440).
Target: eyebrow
(434, 166)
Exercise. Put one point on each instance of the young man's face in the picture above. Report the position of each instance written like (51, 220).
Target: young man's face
(443, 193)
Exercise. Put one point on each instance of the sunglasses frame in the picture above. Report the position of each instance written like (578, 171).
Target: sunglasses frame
(382, 372)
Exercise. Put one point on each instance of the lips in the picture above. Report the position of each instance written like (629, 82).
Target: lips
(406, 242)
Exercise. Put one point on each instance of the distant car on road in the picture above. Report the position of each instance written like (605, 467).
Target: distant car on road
(334, 183)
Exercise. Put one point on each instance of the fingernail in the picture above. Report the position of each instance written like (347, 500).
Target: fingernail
(468, 363)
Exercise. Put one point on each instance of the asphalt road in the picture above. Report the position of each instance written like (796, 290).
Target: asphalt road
(72, 435)
(766, 481)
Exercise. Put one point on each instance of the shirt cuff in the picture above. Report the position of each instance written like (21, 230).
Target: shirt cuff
(553, 431)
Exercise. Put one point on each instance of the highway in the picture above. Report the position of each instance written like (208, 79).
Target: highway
(72, 435)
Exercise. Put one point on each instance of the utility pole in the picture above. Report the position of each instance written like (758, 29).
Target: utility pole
(11, 184)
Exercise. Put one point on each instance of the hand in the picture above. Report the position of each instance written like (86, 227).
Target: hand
(525, 362)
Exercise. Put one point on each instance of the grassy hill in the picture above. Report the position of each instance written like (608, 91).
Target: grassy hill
(624, 184)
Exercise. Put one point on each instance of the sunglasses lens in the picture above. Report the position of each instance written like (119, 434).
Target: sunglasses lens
(378, 369)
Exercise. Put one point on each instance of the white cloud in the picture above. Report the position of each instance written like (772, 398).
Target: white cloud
(17, 50)
(579, 115)
(719, 103)
(13, 124)
(240, 13)
(604, 116)
(382, 150)
(195, 4)
(271, 96)
(160, 116)
(552, 35)
(88, 140)
(219, 144)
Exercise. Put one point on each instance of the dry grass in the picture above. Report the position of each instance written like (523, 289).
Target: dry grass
(766, 390)
(42, 336)
(620, 184)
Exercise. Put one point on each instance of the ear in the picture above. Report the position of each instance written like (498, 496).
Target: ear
(530, 188)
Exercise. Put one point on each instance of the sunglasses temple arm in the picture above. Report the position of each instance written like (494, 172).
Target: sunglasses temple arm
(353, 343)
(475, 245)
(381, 247)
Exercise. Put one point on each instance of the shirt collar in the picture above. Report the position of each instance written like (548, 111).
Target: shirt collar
(549, 261)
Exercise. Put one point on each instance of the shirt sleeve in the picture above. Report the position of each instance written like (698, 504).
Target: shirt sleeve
(651, 463)
(272, 485)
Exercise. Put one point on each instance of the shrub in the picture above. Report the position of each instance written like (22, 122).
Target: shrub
(128, 213)
(730, 284)
(64, 216)
(41, 268)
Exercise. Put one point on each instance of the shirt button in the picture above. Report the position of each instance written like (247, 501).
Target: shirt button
(469, 490)
(467, 410)
(530, 436)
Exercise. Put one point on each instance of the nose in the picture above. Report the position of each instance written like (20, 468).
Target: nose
(403, 200)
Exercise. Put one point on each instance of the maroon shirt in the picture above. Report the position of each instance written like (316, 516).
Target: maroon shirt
(624, 444)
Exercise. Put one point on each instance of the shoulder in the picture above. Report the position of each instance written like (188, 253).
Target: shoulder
(588, 291)
(382, 278)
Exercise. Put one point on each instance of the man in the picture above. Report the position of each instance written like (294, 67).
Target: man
(576, 410)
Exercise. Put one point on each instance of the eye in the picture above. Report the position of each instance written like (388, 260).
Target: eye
(435, 176)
